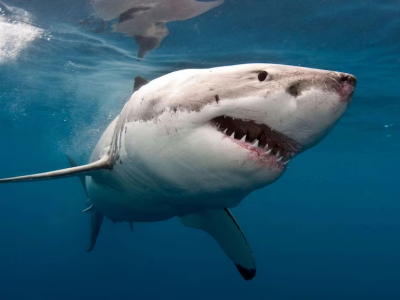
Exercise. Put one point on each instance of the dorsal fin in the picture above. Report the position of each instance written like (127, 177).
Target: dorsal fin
(103, 163)
(139, 82)
(146, 44)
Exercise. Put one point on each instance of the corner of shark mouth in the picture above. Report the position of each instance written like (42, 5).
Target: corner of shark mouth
(269, 145)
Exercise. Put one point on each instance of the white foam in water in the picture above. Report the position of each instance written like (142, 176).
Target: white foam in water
(15, 33)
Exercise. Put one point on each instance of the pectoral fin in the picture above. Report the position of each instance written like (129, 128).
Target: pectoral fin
(103, 163)
(222, 226)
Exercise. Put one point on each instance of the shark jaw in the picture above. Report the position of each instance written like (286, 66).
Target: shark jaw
(263, 143)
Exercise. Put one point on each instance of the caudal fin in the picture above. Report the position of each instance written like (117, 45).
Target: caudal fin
(96, 218)
(73, 164)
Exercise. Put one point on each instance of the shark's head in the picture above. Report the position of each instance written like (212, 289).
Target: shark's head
(233, 129)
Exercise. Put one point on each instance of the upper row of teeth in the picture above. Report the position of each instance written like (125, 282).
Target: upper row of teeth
(255, 144)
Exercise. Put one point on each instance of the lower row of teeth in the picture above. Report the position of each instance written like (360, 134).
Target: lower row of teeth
(255, 144)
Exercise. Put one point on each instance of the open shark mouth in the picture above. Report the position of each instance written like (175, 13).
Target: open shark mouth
(268, 143)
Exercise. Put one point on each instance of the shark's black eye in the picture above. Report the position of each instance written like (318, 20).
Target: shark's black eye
(262, 75)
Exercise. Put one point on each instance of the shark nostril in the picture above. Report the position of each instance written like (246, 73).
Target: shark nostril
(347, 78)
(262, 75)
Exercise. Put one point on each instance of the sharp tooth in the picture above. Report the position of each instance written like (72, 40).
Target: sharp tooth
(233, 119)
(277, 154)
(218, 125)
(266, 146)
(268, 152)
(280, 158)
(225, 130)
(233, 135)
(255, 144)
(243, 139)
(285, 162)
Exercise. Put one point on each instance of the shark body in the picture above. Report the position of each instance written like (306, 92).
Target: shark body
(194, 143)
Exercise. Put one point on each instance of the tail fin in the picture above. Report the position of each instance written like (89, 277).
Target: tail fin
(73, 164)
(95, 221)
(103, 163)
(96, 218)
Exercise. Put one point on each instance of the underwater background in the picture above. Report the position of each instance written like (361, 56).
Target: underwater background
(328, 229)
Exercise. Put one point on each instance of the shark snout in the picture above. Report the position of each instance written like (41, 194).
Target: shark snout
(343, 83)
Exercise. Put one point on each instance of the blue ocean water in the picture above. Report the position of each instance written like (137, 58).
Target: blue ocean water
(328, 229)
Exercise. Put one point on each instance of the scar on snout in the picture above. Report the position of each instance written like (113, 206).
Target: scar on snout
(217, 98)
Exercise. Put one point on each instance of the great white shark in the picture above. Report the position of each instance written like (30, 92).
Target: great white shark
(194, 143)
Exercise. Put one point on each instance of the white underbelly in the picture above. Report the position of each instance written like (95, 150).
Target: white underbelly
(120, 205)
(123, 201)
